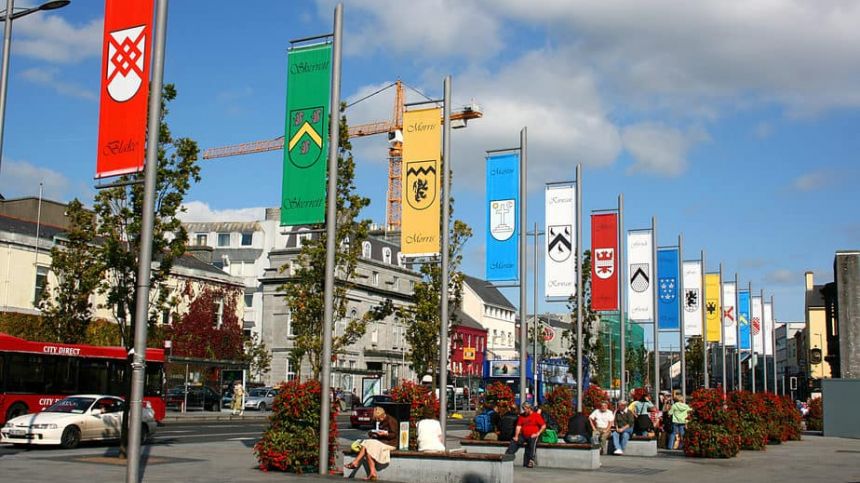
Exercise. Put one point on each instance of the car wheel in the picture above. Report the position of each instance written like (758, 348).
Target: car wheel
(15, 410)
(262, 406)
(71, 437)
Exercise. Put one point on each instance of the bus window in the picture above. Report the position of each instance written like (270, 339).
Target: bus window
(66, 376)
(92, 377)
(116, 376)
(154, 375)
(2, 373)
(26, 373)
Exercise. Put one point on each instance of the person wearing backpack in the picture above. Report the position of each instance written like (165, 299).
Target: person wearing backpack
(507, 425)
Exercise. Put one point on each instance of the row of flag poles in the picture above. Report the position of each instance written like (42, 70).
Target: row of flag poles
(631, 275)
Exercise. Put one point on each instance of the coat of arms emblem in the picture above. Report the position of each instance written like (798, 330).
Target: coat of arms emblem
(691, 299)
(502, 216)
(639, 280)
(305, 146)
(421, 184)
(668, 287)
(559, 242)
(604, 262)
(126, 58)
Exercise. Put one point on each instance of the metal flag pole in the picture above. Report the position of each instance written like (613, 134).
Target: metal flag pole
(722, 330)
(579, 297)
(683, 349)
(752, 343)
(446, 214)
(621, 286)
(535, 318)
(704, 325)
(330, 242)
(773, 342)
(740, 384)
(144, 267)
(763, 345)
(656, 310)
(524, 336)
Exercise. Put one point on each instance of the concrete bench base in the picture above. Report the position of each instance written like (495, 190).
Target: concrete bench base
(640, 447)
(454, 467)
(559, 455)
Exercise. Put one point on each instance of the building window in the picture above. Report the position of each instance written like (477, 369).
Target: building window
(386, 255)
(374, 278)
(41, 283)
(202, 240)
(365, 249)
(223, 239)
(291, 375)
(247, 239)
(374, 335)
(510, 339)
(290, 332)
(217, 314)
(165, 317)
(249, 300)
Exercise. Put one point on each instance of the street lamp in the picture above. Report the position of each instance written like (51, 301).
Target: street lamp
(8, 17)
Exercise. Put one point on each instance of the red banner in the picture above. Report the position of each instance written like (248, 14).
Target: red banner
(604, 261)
(124, 87)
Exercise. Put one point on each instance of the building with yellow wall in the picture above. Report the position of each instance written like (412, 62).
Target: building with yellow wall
(815, 332)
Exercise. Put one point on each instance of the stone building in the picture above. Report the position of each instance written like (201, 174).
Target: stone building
(489, 307)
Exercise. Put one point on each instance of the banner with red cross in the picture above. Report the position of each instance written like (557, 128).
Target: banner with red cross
(124, 87)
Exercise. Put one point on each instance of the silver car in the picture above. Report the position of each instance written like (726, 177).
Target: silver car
(260, 398)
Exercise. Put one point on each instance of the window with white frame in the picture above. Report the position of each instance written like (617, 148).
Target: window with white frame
(41, 283)
(374, 334)
(290, 374)
(365, 249)
(202, 240)
(223, 239)
(374, 278)
(247, 239)
(290, 332)
(217, 313)
(301, 238)
(249, 299)
(386, 255)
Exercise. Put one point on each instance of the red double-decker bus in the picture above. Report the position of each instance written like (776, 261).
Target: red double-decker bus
(34, 375)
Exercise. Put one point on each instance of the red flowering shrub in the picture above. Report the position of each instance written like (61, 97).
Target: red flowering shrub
(638, 394)
(815, 416)
(291, 442)
(773, 419)
(419, 398)
(592, 397)
(711, 431)
(749, 414)
(789, 419)
(500, 396)
(559, 403)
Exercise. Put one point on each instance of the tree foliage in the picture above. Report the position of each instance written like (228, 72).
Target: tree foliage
(67, 306)
(210, 328)
(305, 291)
(590, 339)
(259, 357)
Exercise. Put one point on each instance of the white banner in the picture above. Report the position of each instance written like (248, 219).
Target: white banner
(692, 302)
(730, 315)
(768, 328)
(560, 259)
(640, 273)
(755, 324)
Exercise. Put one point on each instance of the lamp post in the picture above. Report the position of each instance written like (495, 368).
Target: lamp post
(8, 17)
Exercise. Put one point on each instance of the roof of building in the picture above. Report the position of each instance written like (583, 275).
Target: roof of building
(222, 226)
(463, 319)
(487, 292)
(29, 228)
(814, 297)
(191, 262)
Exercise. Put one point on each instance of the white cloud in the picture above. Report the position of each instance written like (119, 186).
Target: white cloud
(783, 276)
(200, 211)
(51, 38)
(48, 76)
(812, 181)
(21, 178)
(658, 148)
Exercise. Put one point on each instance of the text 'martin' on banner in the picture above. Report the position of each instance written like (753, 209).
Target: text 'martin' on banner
(503, 204)
(124, 87)
(306, 135)
(712, 307)
(604, 261)
(640, 272)
(560, 261)
(421, 178)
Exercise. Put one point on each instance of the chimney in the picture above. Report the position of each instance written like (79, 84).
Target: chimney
(273, 214)
(201, 252)
(809, 281)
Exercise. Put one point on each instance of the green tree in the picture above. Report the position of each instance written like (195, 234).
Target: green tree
(694, 357)
(423, 324)
(304, 292)
(591, 343)
(259, 357)
(67, 307)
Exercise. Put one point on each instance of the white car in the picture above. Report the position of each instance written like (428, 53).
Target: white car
(85, 417)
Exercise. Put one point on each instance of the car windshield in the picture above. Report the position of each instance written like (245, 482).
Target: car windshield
(258, 392)
(76, 405)
(373, 401)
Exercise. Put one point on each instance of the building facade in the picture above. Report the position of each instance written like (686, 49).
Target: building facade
(787, 361)
(815, 333)
(489, 307)
(467, 349)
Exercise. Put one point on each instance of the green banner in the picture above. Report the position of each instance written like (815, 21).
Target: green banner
(306, 135)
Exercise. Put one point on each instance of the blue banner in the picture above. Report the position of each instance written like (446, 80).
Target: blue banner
(744, 318)
(503, 204)
(667, 283)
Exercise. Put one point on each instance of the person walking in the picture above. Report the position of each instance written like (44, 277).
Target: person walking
(238, 404)
(624, 421)
(530, 425)
(601, 424)
(679, 412)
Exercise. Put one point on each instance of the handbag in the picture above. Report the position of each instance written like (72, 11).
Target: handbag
(549, 436)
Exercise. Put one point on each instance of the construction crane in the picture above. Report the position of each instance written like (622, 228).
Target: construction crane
(392, 127)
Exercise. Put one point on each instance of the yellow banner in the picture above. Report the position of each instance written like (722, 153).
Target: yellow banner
(421, 182)
(712, 307)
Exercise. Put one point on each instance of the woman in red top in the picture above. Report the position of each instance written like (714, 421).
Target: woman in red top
(530, 425)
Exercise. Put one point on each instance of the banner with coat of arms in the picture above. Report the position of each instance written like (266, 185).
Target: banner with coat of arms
(303, 195)
(755, 324)
(640, 272)
(744, 318)
(421, 182)
(692, 302)
(560, 256)
(668, 286)
(712, 307)
(767, 327)
(124, 94)
(503, 204)
(730, 315)
(604, 261)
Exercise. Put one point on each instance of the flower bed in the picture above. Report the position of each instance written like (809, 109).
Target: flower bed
(710, 433)
(420, 399)
(559, 403)
(815, 416)
(592, 397)
(291, 442)
(750, 414)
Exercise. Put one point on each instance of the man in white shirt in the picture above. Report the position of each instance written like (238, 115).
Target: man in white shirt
(602, 420)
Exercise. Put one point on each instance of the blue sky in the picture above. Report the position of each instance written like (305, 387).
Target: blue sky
(733, 122)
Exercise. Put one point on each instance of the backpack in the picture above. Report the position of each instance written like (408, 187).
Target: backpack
(483, 422)
(507, 426)
(549, 436)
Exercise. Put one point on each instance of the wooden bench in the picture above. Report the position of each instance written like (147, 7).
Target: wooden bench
(549, 455)
(438, 467)
(638, 446)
